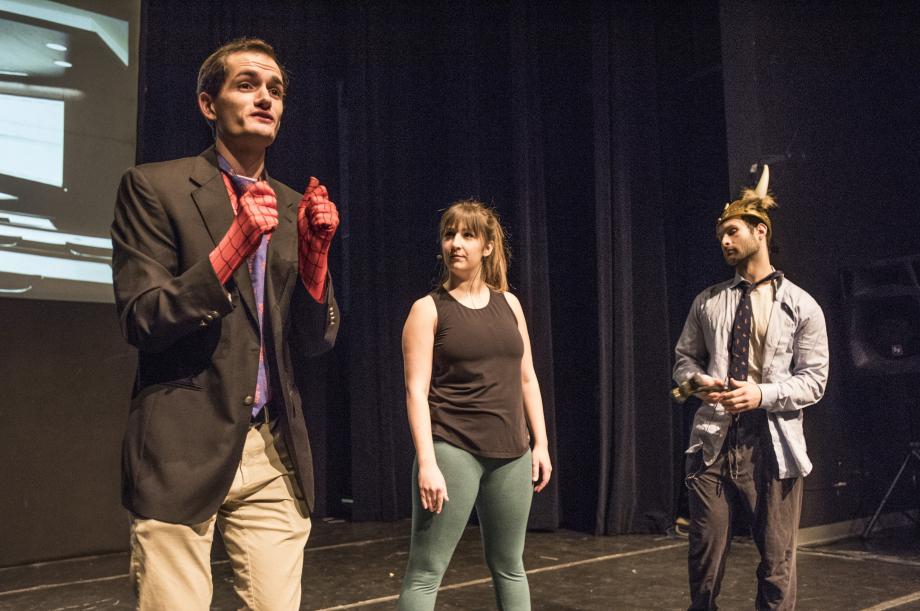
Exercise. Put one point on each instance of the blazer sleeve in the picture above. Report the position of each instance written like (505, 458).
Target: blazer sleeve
(157, 302)
(315, 324)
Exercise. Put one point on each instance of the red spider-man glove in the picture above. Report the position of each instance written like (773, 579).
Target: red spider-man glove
(317, 220)
(256, 215)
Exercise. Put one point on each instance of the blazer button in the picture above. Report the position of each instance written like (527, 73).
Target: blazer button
(248, 400)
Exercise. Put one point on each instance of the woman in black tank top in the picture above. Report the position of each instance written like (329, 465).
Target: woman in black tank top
(471, 396)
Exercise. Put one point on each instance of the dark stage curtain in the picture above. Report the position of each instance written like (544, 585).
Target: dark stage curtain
(635, 420)
(431, 119)
(547, 112)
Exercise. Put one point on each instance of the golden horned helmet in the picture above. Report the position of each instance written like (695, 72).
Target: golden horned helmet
(754, 203)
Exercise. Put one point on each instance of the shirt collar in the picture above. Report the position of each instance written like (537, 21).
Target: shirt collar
(778, 284)
(240, 182)
(738, 279)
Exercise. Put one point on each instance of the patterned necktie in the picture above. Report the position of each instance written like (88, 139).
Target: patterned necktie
(740, 358)
(256, 264)
(741, 328)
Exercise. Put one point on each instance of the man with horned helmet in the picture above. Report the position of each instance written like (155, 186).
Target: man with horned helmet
(755, 349)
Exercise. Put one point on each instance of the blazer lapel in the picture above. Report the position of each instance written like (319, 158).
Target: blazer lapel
(217, 213)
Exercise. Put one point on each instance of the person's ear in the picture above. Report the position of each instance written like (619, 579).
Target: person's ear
(488, 249)
(206, 106)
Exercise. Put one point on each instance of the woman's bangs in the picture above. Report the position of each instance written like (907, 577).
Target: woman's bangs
(466, 217)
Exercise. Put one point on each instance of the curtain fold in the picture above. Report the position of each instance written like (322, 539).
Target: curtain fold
(635, 478)
(531, 244)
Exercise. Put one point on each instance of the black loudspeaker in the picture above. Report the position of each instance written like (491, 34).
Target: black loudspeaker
(883, 315)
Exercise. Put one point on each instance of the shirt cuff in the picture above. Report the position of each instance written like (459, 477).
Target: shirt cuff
(769, 396)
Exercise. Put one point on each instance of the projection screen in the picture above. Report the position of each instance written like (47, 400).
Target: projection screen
(68, 114)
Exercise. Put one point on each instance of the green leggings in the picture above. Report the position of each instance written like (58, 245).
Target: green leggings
(501, 490)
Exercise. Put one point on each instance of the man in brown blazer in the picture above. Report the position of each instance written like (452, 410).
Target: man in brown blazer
(221, 282)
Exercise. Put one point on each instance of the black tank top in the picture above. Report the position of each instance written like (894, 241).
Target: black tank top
(475, 396)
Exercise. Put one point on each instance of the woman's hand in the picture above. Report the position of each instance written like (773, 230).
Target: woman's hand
(432, 488)
(541, 467)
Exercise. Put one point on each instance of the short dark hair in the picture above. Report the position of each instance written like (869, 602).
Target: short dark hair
(753, 222)
(213, 71)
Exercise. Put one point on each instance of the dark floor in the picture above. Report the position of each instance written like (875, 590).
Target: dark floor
(360, 566)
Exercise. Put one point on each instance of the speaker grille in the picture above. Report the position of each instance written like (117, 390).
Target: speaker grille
(883, 316)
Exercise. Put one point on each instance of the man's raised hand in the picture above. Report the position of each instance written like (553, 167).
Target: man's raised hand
(317, 221)
(256, 215)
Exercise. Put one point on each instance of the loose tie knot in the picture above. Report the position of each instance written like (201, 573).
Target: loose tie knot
(747, 288)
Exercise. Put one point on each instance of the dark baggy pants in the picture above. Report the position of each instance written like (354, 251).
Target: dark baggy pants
(745, 470)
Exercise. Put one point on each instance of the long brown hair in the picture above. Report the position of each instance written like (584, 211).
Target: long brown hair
(484, 223)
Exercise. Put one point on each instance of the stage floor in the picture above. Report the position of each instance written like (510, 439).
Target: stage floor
(359, 566)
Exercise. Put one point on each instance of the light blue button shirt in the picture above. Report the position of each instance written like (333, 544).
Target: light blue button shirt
(794, 375)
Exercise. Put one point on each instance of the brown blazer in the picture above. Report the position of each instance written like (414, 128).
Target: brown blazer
(198, 348)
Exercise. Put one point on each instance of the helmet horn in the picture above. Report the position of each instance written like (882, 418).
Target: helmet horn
(763, 183)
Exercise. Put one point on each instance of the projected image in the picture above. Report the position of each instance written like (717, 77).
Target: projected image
(32, 139)
(68, 106)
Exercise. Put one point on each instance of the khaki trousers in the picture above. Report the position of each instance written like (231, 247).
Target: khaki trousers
(264, 524)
